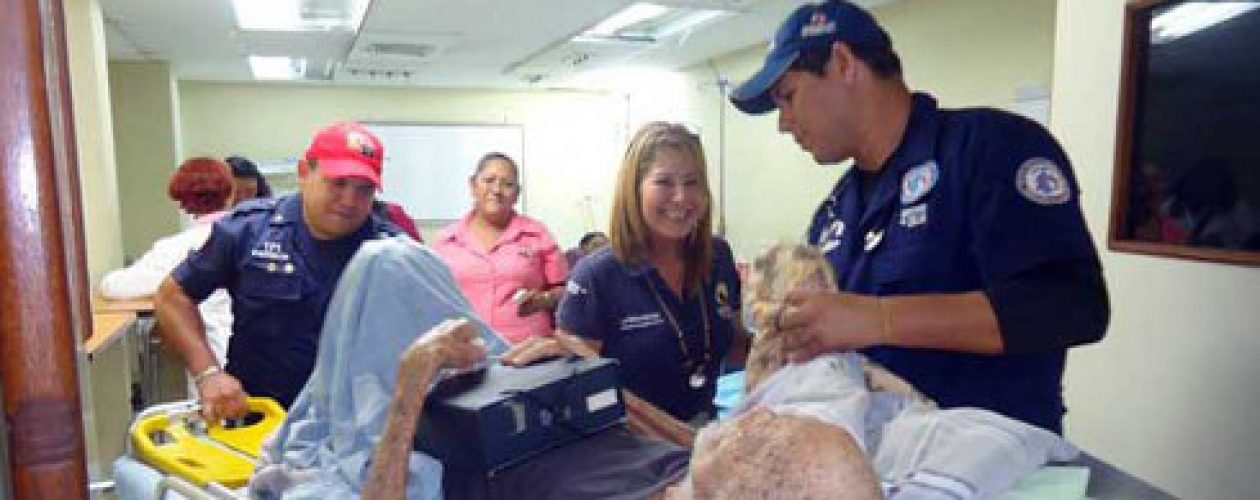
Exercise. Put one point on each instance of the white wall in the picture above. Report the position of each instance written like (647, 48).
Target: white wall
(93, 129)
(94, 139)
(1170, 393)
(572, 139)
(145, 105)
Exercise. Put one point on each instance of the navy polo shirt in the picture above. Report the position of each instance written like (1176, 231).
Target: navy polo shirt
(281, 279)
(614, 303)
(969, 197)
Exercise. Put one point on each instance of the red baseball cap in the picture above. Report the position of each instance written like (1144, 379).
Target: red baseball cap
(347, 149)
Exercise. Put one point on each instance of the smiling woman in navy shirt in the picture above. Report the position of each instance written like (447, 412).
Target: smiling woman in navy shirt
(662, 299)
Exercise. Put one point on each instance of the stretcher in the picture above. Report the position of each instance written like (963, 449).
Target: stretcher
(172, 448)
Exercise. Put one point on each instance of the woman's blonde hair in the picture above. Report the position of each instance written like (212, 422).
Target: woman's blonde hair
(628, 231)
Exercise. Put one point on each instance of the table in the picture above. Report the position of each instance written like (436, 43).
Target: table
(140, 306)
(106, 328)
(141, 311)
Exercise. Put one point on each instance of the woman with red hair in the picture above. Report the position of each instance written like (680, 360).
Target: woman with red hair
(202, 187)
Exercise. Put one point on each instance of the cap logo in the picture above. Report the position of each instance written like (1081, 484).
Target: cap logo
(358, 142)
(818, 25)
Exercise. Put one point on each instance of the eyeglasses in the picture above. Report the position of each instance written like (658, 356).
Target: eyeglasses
(496, 181)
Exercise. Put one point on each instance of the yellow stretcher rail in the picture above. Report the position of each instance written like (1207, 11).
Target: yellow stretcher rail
(178, 442)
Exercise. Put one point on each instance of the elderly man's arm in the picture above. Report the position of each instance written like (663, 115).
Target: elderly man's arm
(451, 344)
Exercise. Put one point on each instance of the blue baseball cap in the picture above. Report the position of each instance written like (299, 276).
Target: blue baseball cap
(811, 25)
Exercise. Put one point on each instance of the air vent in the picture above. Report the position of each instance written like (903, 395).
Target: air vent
(390, 57)
(397, 49)
(416, 50)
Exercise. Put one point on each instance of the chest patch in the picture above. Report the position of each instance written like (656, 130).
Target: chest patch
(639, 321)
(918, 182)
(830, 237)
(913, 216)
(1042, 182)
(271, 251)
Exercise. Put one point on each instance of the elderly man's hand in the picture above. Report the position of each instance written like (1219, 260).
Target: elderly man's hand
(560, 343)
(454, 343)
(813, 323)
(221, 397)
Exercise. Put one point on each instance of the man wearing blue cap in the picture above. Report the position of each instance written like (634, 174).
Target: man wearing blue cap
(958, 239)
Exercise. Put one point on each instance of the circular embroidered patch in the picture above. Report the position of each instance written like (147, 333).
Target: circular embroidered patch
(918, 182)
(721, 294)
(1042, 182)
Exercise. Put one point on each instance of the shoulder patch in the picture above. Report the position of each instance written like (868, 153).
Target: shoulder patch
(1042, 182)
(918, 182)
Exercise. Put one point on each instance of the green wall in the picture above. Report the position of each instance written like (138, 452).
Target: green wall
(146, 143)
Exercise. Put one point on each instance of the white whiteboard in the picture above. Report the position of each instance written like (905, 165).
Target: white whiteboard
(427, 166)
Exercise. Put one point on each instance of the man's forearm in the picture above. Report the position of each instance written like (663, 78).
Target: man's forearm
(387, 478)
(180, 326)
(953, 322)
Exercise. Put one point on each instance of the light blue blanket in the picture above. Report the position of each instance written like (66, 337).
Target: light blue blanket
(391, 292)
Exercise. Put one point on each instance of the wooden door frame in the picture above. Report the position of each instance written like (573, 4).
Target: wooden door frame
(43, 299)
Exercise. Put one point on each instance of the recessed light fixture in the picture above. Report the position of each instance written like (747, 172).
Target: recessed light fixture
(276, 68)
(1191, 17)
(299, 15)
(648, 22)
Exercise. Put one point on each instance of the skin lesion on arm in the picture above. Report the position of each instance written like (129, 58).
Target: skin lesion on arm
(451, 344)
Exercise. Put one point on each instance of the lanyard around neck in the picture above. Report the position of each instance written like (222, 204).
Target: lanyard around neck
(704, 318)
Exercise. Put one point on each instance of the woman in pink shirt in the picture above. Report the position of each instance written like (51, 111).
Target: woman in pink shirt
(507, 264)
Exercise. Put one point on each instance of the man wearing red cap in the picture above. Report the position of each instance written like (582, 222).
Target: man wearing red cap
(279, 259)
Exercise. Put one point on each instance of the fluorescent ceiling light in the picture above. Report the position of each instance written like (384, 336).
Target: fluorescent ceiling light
(1191, 17)
(629, 16)
(276, 68)
(648, 22)
(300, 15)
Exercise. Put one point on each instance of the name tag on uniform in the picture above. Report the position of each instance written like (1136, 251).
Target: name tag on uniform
(270, 250)
(640, 321)
(913, 216)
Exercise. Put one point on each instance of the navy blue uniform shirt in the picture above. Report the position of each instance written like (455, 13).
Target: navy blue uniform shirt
(968, 198)
(280, 279)
(617, 304)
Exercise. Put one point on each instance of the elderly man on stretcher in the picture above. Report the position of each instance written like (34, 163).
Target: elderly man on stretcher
(831, 427)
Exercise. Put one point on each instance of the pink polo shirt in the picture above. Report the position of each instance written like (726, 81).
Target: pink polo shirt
(525, 256)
